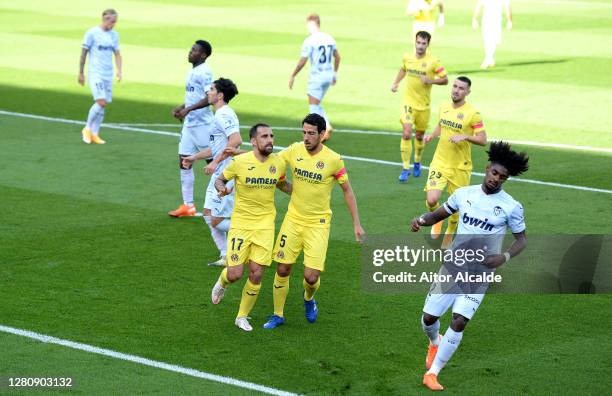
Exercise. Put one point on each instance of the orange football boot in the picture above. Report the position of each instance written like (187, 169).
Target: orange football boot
(183, 211)
(430, 380)
(431, 353)
(96, 139)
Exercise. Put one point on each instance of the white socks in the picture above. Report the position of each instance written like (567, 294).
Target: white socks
(432, 331)
(187, 180)
(318, 109)
(218, 235)
(95, 117)
(448, 346)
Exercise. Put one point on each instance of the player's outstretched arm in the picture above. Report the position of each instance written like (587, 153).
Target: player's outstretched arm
(336, 65)
(429, 219)
(81, 77)
(298, 67)
(351, 203)
(476, 16)
(520, 243)
(118, 64)
(188, 161)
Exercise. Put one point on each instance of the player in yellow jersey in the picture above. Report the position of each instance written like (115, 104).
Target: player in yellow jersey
(460, 125)
(315, 170)
(424, 13)
(250, 239)
(422, 71)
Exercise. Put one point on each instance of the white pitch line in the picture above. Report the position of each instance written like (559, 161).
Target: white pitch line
(390, 133)
(144, 361)
(361, 159)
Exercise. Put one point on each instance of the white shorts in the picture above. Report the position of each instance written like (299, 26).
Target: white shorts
(194, 139)
(219, 207)
(463, 304)
(101, 88)
(317, 88)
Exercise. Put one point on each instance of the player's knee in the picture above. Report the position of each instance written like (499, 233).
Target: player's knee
(407, 131)
(180, 159)
(234, 273)
(418, 135)
(429, 319)
(283, 270)
(459, 322)
(215, 221)
(101, 102)
(311, 278)
(255, 275)
(431, 201)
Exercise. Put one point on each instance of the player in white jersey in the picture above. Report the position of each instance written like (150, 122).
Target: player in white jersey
(491, 26)
(485, 212)
(100, 42)
(198, 121)
(319, 48)
(226, 133)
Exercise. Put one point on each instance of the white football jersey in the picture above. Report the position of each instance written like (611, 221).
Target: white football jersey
(320, 48)
(226, 124)
(482, 214)
(199, 81)
(101, 45)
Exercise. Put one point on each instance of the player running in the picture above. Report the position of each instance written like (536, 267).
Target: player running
(198, 121)
(315, 170)
(226, 133)
(251, 234)
(460, 125)
(101, 42)
(423, 70)
(486, 212)
(491, 26)
(319, 47)
(423, 12)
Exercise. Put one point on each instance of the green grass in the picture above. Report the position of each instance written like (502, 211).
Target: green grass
(88, 253)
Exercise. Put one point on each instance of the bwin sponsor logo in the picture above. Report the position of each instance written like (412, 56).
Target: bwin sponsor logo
(260, 180)
(482, 224)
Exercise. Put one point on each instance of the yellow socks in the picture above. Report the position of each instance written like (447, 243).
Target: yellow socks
(223, 278)
(310, 290)
(419, 146)
(432, 208)
(452, 223)
(406, 151)
(249, 297)
(279, 293)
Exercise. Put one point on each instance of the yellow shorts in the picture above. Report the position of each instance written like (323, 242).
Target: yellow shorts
(418, 118)
(245, 245)
(452, 179)
(293, 238)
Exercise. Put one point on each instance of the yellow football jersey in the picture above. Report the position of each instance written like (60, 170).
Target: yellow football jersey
(465, 120)
(418, 95)
(425, 16)
(313, 178)
(254, 184)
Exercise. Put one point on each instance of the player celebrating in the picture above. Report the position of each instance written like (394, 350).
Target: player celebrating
(423, 12)
(481, 204)
(319, 47)
(491, 26)
(251, 235)
(101, 42)
(198, 121)
(459, 125)
(306, 225)
(217, 211)
(423, 70)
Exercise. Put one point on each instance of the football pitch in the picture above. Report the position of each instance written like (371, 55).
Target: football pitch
(89, 256)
